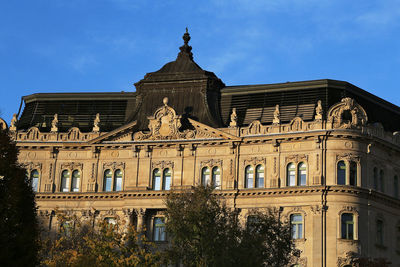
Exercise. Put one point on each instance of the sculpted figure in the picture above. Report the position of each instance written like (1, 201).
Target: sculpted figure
(318, 111)
(277, 115)
(96, 122)
(233, 122)
(54, 123)
(13, 126)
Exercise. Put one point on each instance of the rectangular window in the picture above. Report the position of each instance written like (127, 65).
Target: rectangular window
(347, 221)
(296, 222)
(379, 232)
(159, 229)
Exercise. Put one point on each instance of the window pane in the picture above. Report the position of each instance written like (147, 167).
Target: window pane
(35, 180)
(159, 229)
(260, 176)
(302, 174)
(118, 180)
(379, 232)
(396, 186)
(347, 226)
(291, 174)
(353, 173)
(249, 177)
(156, 179)
(205, 176)
(167, 179)
(76, 177)
(341, 172)
(296, 222)
(65, 176)
(216, 177)
(107, 183)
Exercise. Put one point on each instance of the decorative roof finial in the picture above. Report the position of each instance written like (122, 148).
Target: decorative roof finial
(186, 50)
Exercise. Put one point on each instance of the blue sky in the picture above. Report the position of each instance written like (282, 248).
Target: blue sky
(107, 45)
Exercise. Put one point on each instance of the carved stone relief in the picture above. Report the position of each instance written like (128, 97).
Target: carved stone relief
(114, 165)
(347, 114)
(296, 124)
(211, 163)
(162, 164)
(72, 165)
(254, 161)
(296, 158)
(164, 125)
(348, 157)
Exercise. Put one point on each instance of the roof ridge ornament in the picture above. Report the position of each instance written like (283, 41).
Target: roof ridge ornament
(186, 50)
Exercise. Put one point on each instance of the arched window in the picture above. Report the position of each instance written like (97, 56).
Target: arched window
(379, 232)
(34, 180)
(341, 172)
(166, 179)
(216, 177)
(205, 176)
(396, 186)
(296, 223)
(376, 179)
(107, 181)
(118, 180)
(259, 176)
(381, 181)
(353, 173)
(347, 221)
(156, 179)
(302, 174)
(76, 178)
(249, 176)
(291, 174)
(159, 229)
(65, 176)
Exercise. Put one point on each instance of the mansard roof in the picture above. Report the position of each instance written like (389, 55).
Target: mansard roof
(201, 96)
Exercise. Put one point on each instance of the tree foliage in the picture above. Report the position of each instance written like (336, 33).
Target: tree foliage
(203, 231)
(81, 244)
(18, 221)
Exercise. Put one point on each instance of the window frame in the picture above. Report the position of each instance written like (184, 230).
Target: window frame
(355, 224)
(162, 179)
(349, 164)
(258, 180)
(163, 232)
(380, 233)
(297, 173)
(297, 223)
(31, 180)
(113, 173)
(210, 175)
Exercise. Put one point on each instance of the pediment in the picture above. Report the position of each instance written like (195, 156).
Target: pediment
(123, 133)
(165, 124)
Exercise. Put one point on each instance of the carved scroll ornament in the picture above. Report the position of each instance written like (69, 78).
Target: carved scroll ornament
(347, 114)
(164, 125)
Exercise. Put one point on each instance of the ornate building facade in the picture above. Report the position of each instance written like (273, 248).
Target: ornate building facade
(324, 153)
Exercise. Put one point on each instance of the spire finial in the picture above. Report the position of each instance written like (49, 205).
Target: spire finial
(186, 49)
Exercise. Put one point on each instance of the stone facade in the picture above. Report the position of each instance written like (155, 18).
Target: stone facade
(335, 166)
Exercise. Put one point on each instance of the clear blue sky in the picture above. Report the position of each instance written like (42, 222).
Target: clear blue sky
(107, 45)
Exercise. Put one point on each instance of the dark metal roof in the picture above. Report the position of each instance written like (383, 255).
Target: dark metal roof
(257, 102)
(76, 110)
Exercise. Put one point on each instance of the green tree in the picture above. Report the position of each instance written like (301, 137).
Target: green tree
(79, 244)
(18, 221)
(203, 231)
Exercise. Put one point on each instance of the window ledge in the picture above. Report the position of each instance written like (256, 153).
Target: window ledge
(352, 241)
(300, 240)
